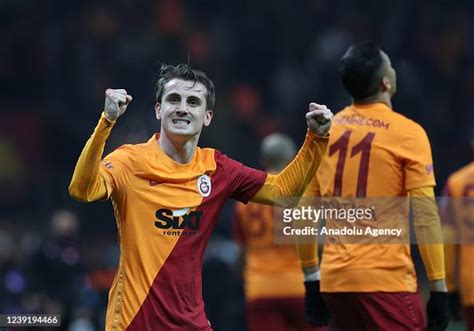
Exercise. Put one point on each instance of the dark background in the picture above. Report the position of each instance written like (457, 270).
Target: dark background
(269, 59)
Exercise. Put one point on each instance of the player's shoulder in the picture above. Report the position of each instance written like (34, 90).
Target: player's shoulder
(404, 121)
(226, 164)
(407, 130)
(221, 157)
(458, 179)
(125, 151)
(232, 168)
(129, 153)
(461, 174)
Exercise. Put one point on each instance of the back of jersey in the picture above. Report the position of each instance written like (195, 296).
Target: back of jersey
(374, 152)
(254, 228)
(458, 214)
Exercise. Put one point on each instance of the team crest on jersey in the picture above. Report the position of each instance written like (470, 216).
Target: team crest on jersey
(204, 185)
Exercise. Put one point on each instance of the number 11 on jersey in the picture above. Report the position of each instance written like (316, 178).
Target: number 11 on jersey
(362, 147)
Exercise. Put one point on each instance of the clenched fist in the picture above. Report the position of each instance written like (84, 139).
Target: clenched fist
(116, 102)
(319, 119)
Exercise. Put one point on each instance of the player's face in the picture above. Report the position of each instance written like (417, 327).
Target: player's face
(183, 108)
(390, 74)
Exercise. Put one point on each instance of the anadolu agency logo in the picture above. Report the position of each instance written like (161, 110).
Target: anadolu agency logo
(178, 222)
(204, 185)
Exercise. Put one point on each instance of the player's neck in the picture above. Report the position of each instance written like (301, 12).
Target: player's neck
(179, 148)
(379, 98)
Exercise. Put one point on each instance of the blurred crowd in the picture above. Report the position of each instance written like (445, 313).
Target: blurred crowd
(51, 269)
(268, 60)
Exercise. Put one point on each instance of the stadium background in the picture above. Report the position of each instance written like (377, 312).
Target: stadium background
(268, 60)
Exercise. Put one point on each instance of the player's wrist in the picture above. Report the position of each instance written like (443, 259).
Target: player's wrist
(311, 274)
(108, 118)
(315, 135)
(438, 285)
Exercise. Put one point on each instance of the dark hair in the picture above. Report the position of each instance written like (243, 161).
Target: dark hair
(361, 69)
(185, 72)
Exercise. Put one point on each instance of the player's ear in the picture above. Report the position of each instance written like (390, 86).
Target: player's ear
(158, 110)
(386, 85)
(208, 117)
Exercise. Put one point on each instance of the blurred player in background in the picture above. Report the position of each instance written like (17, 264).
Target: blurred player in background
(273, 288)
(167, 194)
(458, 221)
(376, 152)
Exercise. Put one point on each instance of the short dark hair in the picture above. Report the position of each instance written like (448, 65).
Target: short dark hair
(185, 72)
(361, 69)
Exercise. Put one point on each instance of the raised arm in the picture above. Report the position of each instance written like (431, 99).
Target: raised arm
(284, 188)
(87, 184)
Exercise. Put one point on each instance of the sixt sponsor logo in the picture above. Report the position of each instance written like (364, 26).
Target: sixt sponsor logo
(178, 222)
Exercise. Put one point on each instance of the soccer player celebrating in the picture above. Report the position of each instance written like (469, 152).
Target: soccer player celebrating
(375, 152)
(273, 302)
(458, 220)
(167, 194)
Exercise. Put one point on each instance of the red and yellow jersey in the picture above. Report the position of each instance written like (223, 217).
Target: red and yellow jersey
(165, 213)
(373, 152)
(458, 216)
(271, 270)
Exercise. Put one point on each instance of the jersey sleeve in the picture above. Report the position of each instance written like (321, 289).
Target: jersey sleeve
(313, 189)
(450, 238)
(428, 231)
(308, 252)
(417, 159)
(117, 168)
(87, 184)
(242, 181)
